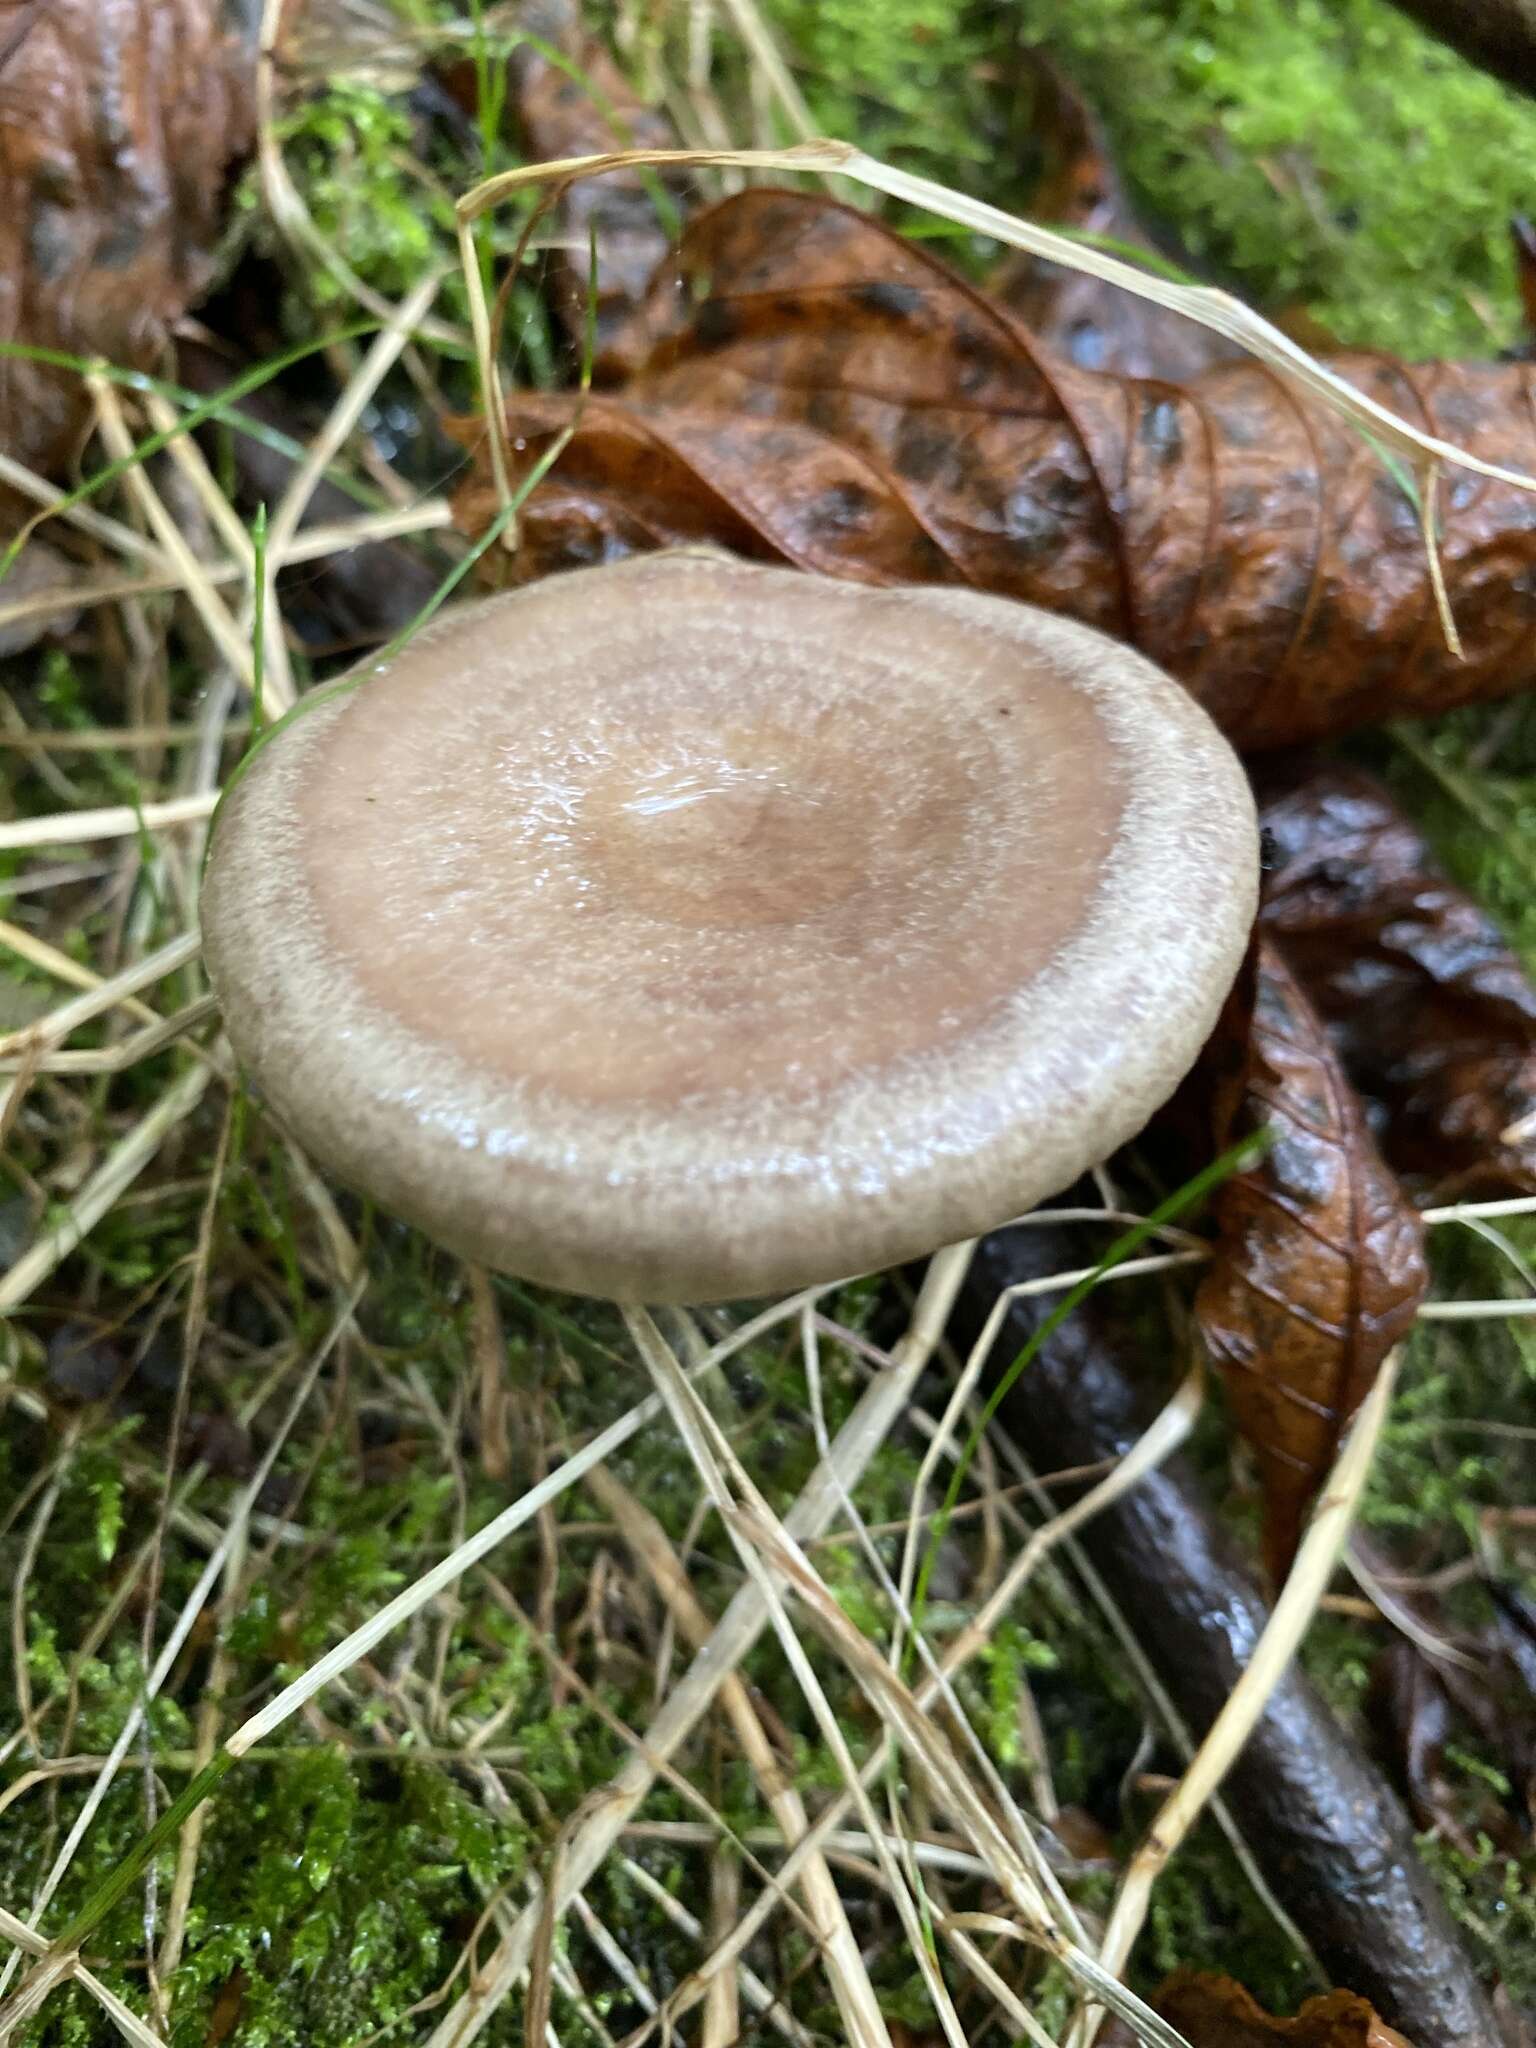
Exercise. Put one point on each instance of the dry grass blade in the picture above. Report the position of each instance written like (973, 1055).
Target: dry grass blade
(27, 946)
(906, 1629)
(114, 1059)
(1212, 308)
(128, 2023)
(722, 2008)
(211, 610)
(713, 1459)
(112, 821)
(105, 995)
(196, 1600)
(110, 532)
(117, 1172)
(753, 1528)
(314, 543)
(945, 1435)
(21, 1936)
(845, 1966)
(739, 1627)
(381, 358)
(425, 1589)
(1166, 1432)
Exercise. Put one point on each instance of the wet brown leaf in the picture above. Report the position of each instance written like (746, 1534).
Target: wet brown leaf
(1416, 1719)
(582, 107)
(1217, 2012)
(1449, 1683)
(1319, 1262)
(119, 121)
(819, 391)
(1091, 323)
(1432, 1014)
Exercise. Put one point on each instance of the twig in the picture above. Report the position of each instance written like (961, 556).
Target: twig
(1326, 1535)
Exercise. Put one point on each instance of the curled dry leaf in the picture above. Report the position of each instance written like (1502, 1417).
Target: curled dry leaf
(816, 390)
(1217, 2012)
(1432, 1014)
(119, 121)
(1319, 1265)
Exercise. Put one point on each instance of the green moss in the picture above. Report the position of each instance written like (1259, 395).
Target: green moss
(1321, 153)
(911, 80)
(1318, 154)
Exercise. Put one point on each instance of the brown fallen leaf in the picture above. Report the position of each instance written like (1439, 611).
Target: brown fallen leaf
(581, 106)
(1217, 2012)
(1432, 1014)
(119, 122)
(819, 391)
(1431, 1692)
(1419, 1708)
(1091, 323)
(1319, 1261)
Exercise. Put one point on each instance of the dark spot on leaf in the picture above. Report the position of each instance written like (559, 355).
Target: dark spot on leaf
(885, 297)
(843, 509)
(1028, 523)
(51, 242)
(1159, 429)
(922, 450)
(715, 323)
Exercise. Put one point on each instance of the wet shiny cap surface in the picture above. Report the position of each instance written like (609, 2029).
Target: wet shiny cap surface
(684, 929)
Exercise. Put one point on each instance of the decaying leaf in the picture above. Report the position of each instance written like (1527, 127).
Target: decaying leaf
(1319, 1265)
(815, 389)
(1417, 1719)
(1217, 2012)
(119, 121)
(1432, 1014)
(1088, 321)
(1430, 1693)
(581, 105)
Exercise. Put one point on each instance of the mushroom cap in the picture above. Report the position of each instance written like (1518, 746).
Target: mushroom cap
(684, 929)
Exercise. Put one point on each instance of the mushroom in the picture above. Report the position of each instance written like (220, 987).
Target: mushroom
(686, 929)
